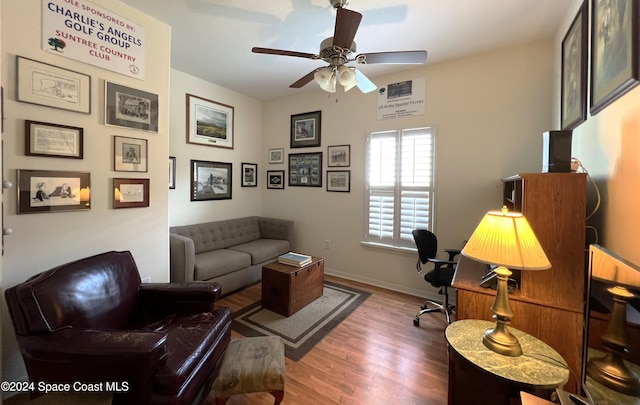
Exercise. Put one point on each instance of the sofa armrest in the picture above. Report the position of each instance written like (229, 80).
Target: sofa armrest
(274, 228)
(190, 298)
(182, 258)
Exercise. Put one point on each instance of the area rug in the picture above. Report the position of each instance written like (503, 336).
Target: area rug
(304, 329)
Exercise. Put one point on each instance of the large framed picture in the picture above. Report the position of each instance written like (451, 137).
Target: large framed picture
(339, 180)
(574, 72)
(52, 140)
(172, 172)
(129, 154)
(305, 169)
(130, 193)
(53, 191)
(275, 179)
(209, 123)
(249, 175)
(614, 51)
(210, 180)
(52, 86)
(130, 108)
(339, 156)
(305, 129)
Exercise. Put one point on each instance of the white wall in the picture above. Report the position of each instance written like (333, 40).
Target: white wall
(247, 148)
(490, 111)
(42, 241)
(608, 145)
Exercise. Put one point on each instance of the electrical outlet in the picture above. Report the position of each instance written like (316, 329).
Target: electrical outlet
(327, 244)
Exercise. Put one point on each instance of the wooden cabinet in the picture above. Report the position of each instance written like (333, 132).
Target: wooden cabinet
(548, 304)
(287, 289)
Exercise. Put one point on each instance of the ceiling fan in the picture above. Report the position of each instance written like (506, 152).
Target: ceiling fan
(338, 50)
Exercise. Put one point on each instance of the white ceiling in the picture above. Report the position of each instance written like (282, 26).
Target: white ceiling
(212, 39)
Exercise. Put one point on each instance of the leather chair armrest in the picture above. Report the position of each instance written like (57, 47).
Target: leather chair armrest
(179, 297)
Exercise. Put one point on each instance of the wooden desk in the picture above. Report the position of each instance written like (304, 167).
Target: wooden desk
(477, 372)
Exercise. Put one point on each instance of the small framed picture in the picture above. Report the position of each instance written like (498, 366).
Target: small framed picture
(275, 179)
(339, 180)
(52, 86)
(339, 156)
(52, 140)
(209, 123)
(305, 129)
(276, 155)
(130, 193)
(305, 169)
(53, 191)
(210, 180)
(130, 108)
(129, 154)
(172, 172)
(249, 175)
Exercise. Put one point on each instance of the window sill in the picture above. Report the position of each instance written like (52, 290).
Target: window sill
(389, 248)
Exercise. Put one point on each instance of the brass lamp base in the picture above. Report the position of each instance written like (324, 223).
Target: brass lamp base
(611, 372)
(499, 339)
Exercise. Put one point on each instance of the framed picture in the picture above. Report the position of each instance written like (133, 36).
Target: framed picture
(276, 155)
(339, 180)
(130, 108)
(53, 191)
(275, 179)
(210, 180)
(339, 156)
(129, 154)
(614, 51)
(305, 169)
(172, 172)
(574, 72)
(130, 193)
(52, 86)
(249, 175)
(52, 140)
(209, 123)
(305, 129)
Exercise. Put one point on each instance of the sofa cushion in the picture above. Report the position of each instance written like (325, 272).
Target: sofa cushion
(218, 262)
(263, 249)
(220, 234)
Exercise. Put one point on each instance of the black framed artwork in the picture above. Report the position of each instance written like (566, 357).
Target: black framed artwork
(305, 169)
(573, 109)
(130, 108)
(211, 180)
(249, 175)
(305, 129)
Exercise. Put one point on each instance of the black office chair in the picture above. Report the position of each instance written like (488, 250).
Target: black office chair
(441, 276)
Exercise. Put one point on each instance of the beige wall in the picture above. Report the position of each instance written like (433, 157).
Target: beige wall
(490, 111)
(42, 241)
(608, 145)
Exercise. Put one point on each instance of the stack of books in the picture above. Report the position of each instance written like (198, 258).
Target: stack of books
(294, 259)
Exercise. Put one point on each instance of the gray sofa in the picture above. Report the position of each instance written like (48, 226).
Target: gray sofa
(230, 252)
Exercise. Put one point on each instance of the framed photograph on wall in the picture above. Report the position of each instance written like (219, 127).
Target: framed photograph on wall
(130, 108)
(339, 180)
(130, 193)
(52, 86)
(249, 175)
(209, 123)
(574, 72)
(276, 155)
(210, 180)
(614, 51)
(305, 169)
(339, 156)
(172, 172)
(53, 191)
(129, 154)
(275, 179)
(305, 129)
(52, 140)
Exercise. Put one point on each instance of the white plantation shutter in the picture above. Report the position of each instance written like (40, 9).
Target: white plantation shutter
(400, 191)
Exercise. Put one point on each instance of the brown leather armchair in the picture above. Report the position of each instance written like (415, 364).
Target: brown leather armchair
(93, 321)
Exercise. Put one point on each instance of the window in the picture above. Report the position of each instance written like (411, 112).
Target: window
(399, 181)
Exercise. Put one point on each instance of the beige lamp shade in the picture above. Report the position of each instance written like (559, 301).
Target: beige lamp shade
(608, 266)
(506, 239)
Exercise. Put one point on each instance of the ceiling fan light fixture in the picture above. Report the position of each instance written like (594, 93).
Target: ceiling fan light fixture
(326, 79)
(347, 77)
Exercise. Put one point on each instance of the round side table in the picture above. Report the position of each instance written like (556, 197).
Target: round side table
(478, 375)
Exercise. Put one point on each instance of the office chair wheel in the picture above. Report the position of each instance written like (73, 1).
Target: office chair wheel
(416, 321)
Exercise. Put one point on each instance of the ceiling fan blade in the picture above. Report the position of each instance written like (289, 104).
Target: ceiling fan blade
(364, 84)
(303, 80)
(401, 57)
(347, 23)
(271, 51)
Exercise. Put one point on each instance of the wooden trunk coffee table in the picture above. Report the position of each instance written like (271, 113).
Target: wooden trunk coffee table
(287, 289)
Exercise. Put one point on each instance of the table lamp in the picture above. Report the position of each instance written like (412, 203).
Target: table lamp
(610, 370)
(505, 239)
